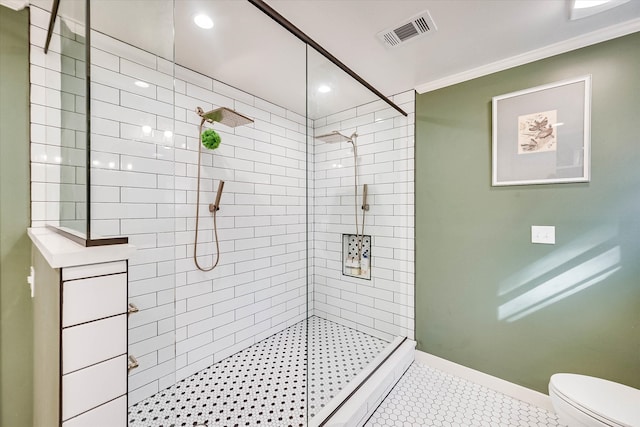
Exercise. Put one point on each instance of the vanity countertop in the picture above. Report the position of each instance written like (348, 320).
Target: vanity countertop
(60, 251)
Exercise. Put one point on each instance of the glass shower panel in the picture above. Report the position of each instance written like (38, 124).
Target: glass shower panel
(362, 221)
(132, 157)
(63, 132)
(301, 280)
(241, 324)
(131, 142)
(239, 327)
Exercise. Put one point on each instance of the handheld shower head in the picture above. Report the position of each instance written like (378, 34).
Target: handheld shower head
(219, 195)
(213, 207)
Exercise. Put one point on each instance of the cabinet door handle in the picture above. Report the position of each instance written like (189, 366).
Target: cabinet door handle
(133, 363)
(132, 309)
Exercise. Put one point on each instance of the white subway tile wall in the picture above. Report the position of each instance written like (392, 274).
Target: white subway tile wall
(144, 169)
(144, 187)
(58, 137)
(383, 306)
(144, 144)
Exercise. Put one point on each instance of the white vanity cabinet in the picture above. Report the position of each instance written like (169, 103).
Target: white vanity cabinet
(80, 332)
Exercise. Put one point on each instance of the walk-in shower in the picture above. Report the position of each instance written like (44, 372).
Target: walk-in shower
(231, 119)
(275, 332)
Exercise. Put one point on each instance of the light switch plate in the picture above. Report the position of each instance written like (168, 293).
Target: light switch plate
(545, 234)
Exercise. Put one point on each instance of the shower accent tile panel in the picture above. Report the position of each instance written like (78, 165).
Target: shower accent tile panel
(382, 307)
(273, 382)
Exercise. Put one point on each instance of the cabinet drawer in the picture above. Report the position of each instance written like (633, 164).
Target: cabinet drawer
(112, 414)
(93, 342)
(91, 387)
(92, 270)
(91, 299)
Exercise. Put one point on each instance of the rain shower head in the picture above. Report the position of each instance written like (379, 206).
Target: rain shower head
(225, 116)
(336, 136)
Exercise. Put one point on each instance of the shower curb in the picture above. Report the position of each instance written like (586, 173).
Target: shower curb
(374, 387)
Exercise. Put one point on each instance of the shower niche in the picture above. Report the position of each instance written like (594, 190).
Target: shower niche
(356, 256)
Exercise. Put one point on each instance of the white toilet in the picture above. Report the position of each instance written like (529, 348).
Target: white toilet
(582, 401)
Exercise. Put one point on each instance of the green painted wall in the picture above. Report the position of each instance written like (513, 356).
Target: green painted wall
(473, 250)
(16, 348)
(46, 343)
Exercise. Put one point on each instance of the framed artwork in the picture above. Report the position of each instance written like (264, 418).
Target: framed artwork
(542, 135)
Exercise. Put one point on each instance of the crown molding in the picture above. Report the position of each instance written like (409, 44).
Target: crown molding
(15, 4)
(604, 34)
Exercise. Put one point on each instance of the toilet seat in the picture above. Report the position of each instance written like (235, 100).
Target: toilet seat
(608, 402)
(578, 413)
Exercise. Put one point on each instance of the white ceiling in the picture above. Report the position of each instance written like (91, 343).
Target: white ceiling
(248, 50)
(471, 33)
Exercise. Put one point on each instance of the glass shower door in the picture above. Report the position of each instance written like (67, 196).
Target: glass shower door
(133, 177)
(361, 304)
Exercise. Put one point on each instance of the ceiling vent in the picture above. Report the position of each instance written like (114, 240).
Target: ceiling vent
(410, 29)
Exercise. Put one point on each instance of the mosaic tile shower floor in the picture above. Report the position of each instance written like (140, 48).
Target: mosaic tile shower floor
(428, 397)
(265, 383)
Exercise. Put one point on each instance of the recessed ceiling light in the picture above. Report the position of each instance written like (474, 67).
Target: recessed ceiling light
(324, 89)
(584, 8)
(203, 21)
(141, 84)
(581, 4)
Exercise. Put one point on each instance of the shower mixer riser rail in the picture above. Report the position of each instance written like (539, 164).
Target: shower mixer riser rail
(232, 119)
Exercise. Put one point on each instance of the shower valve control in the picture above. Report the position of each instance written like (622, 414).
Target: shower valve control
(365, 205)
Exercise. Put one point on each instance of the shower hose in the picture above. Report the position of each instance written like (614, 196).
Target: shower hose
(215, 210)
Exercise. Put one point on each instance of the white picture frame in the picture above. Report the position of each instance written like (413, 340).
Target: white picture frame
(542, 135)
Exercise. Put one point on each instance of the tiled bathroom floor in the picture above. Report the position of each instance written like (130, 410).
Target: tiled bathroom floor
(265, 383)
(428, 397)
